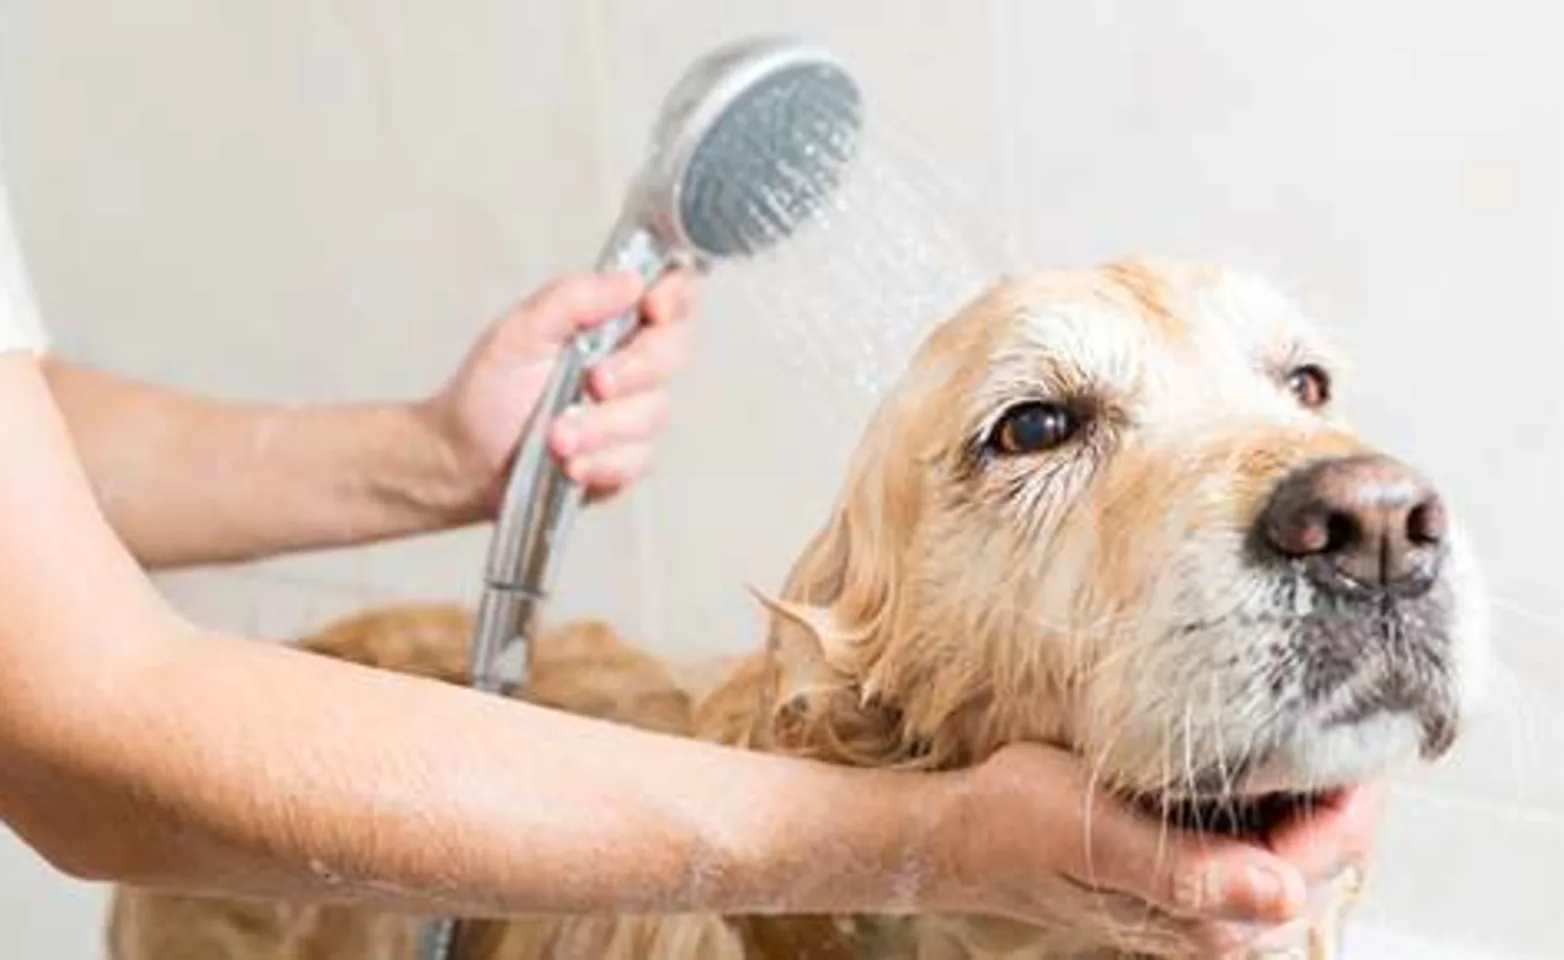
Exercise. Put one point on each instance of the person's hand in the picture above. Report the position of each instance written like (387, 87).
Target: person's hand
(1033, 841)
(481, 413)
(1330, 847)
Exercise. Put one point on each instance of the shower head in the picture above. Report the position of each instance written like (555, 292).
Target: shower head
(751, 142)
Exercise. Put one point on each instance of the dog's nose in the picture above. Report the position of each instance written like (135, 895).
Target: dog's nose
(1369, 519)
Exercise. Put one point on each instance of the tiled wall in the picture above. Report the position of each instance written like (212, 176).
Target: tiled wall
(321, 201)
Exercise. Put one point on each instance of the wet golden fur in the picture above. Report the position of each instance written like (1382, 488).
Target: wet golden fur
(947, 607)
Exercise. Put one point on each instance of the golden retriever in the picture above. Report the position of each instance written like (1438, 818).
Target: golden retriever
(1114, 509)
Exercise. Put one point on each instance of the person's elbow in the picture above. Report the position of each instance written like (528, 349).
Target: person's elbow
(64, 850)
(68, 733)
(49, 811)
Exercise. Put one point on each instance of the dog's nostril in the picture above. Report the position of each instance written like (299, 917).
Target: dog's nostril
(1427, 523)
(1369, 519)
(1342, 530)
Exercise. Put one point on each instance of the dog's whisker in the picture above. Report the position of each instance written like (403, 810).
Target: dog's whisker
(1191, 782)
(1115, 925)
(1165, 801)
(1093, 780)
(1226, 782)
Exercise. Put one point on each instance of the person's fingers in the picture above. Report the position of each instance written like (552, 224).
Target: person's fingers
(612, 469)
(669, 299)
(1184, 872)
(574, 303)
(584, 432)
(647, 361)
(1340, 831)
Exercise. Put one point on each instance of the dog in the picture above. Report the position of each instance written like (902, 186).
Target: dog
(1112, 508)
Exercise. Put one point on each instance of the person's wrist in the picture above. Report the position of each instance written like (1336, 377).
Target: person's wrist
(834, 840)
(439, 475)
(951, 824)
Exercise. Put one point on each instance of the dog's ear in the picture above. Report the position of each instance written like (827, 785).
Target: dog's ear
(796, 643)
(839, 610)
(812, 708)
(844, 591)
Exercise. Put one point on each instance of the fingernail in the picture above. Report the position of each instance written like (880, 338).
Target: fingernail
(1266, 886)
(1273, 894)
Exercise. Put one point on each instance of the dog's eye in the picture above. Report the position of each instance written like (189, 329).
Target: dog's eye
(1311, 385)
(1033, 428)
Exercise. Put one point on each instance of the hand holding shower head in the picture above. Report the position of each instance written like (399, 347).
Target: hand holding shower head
(751, 142)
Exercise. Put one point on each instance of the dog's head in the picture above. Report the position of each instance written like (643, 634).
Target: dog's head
(1117, 509)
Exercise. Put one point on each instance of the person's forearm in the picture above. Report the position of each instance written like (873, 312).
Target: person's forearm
(133, 748)
(187, 480)
(359, 784)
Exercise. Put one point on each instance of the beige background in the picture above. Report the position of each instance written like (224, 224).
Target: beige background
(326, 200)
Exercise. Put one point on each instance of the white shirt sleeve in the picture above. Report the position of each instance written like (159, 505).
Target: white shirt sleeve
(20, 328)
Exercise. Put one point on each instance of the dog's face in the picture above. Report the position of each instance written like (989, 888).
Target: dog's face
(1117, 509)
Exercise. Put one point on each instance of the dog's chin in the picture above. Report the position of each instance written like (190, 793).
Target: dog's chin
(1320, 757)
(1310, 776)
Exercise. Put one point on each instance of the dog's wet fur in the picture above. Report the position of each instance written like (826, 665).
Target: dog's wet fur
(1081, 516)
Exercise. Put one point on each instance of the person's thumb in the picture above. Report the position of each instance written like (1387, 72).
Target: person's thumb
(575, 303)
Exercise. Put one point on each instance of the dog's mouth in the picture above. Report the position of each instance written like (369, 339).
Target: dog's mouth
(1246, 817)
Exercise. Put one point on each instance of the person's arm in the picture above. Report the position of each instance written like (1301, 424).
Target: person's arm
(186, 479)
(135, 750)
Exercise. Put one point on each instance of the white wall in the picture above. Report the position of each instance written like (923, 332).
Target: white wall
(327, 200)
